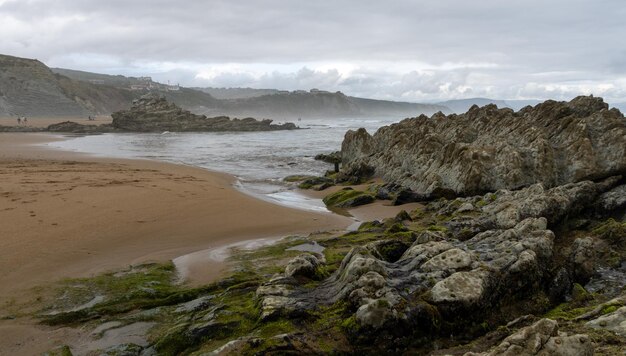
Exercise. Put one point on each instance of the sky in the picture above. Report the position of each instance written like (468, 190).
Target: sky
(396, 49)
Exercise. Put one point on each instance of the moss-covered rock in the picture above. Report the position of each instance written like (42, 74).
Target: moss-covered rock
(347, 198)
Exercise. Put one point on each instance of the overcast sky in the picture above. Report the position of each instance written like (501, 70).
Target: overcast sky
(401, 50)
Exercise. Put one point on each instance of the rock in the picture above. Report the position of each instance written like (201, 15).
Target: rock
(454, 259)
(442, 276)
(461, 277)
(542, 338)
(614, 321)
(613, 199)
(70, 126)
(304, 265)
(375, 313)
(465, 288)
(583, 259)
(334, 157)
(195, 304)
(153, 113)
(347, 198)
(316, 183)
(487, 149)
(506, 208)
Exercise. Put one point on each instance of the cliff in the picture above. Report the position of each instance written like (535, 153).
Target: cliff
(30, 88)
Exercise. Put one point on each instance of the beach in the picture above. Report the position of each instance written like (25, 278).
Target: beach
(69, 215)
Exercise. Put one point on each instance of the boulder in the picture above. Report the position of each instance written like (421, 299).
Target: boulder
(304, 265)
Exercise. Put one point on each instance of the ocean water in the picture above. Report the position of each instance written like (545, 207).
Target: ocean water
(260, 160)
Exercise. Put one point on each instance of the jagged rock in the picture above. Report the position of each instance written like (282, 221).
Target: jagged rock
(153, 113)
(504, 209)
(614, 321)
(486, 149)
(542, 338)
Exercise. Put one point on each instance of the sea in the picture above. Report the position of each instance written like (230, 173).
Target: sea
(259, 160)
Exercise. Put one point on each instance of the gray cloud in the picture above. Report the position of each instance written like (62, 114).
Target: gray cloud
(403, 50)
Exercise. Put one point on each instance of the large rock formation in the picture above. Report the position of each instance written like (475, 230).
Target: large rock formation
(490, 253)
(487, 149)
(153, 113)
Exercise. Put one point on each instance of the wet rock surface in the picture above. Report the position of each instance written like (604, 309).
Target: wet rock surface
(487, 149)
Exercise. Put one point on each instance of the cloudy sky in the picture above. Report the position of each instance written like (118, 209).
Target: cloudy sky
(402, 50)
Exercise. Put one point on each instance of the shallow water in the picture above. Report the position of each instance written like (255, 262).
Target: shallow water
(260, 160)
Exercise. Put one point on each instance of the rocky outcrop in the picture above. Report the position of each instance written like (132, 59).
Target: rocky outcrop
(486, 149)
(153, 113)
(490, 251)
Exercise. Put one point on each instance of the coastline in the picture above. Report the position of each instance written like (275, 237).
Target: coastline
(74, 215)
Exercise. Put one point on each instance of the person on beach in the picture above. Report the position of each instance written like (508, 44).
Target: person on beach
(25, 121)
(19, 121)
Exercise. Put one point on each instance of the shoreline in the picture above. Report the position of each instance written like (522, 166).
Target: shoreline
(185, 209)
(75, 215)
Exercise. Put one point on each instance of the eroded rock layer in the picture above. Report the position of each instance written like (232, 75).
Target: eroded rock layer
(487, 149)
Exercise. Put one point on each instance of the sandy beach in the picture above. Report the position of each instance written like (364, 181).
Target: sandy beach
(68, 215)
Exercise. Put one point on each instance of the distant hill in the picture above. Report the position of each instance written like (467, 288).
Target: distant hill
(29, 88)
(187, 98)
(461, 106)
(318, 103)
(237, 93)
